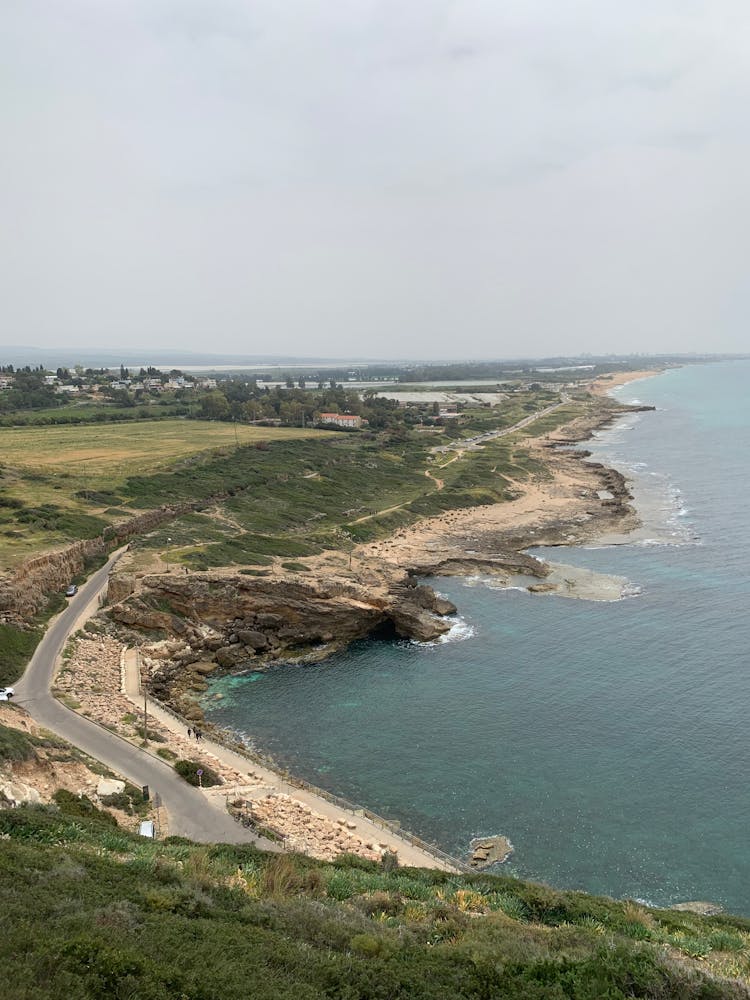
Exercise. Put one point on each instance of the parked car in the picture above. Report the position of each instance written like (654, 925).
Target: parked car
(71, 591)
(6, 694)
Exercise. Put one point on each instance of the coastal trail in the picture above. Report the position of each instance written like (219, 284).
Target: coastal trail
(460, 448)
(480, 439)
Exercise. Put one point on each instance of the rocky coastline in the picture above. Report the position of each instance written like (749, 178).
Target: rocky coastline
(190, 626)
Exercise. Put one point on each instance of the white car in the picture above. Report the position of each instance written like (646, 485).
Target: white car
(6, 694)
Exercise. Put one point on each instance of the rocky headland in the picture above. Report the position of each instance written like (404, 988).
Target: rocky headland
(190, 625)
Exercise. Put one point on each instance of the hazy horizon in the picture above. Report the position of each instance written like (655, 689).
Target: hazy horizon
(175, 358)
(375, 180)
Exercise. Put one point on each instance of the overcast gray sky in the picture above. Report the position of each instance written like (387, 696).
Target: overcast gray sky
(479, 178)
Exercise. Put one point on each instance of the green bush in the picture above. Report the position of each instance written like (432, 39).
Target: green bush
(15, 745)
(188, 769)
(16, 648)
(81, 805)
(92, 912)
(130, 801)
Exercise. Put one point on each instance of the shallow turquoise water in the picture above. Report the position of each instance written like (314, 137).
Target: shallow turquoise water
(609, 741)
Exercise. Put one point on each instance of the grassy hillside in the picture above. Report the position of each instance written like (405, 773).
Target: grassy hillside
(59, 484)
(88, 911)
(293, 490)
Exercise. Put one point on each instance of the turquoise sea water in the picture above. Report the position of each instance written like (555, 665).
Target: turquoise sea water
(609, 741)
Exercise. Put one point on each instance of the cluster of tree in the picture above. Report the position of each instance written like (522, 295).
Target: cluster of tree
(10, 370)
(29, 392)
(246, 401)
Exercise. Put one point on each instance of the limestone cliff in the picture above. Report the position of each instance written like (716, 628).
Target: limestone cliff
(236, 621)
(23, 591)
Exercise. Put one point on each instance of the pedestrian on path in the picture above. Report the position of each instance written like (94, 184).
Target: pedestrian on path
(190, 732)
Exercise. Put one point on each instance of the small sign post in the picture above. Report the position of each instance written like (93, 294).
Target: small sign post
(199, 772)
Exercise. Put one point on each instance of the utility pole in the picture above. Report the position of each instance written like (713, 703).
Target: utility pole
(145, 698)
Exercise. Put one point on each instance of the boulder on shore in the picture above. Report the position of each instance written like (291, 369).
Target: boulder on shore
(488, 851)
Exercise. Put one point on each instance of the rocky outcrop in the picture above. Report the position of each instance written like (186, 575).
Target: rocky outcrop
(17, 793)
(24, 592)
(237, 621)
(697, 906)
(488, 851)
(120, 586)
(501, 563)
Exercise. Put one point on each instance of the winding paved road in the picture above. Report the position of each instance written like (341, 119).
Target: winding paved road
(190, 813)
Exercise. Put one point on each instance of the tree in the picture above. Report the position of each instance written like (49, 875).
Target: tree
(214, 405)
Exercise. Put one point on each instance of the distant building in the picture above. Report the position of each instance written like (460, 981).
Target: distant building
(347, 420)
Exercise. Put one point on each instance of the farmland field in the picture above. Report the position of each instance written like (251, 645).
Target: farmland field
(119, 450)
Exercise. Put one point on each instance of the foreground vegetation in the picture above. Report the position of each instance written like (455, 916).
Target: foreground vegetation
(89, 911)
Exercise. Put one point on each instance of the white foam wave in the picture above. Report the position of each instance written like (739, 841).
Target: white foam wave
(460, 630)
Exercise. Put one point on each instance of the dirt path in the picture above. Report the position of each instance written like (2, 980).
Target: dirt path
(493, 435)
(440, 483)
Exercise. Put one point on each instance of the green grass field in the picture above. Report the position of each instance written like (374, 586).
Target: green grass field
(109, 453)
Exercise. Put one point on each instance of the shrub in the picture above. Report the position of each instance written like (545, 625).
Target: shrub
(188, 769)
(367, 945)
(14, 745)
(510, 905)
(16, 647)
(130, 801)
(151, 735)
(340, 886)
(281, 877)
(75, 805)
